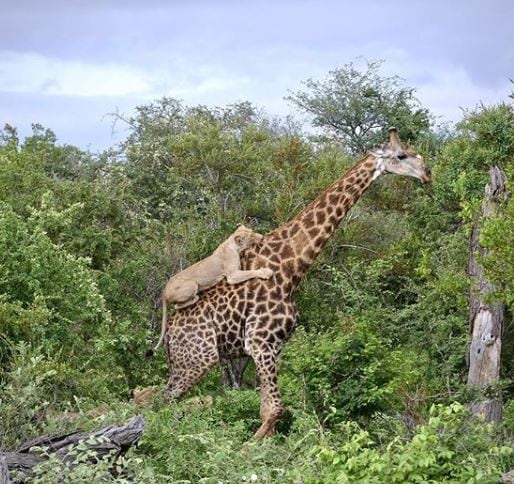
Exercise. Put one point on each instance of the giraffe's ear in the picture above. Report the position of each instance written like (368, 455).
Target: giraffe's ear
(394, 139)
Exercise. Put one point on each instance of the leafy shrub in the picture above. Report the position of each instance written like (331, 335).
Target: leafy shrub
(450, 447)
(40, 275)
(347, 372)
(25, 395)
(79, 468)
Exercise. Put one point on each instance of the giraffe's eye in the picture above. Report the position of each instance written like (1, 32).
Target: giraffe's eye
(401, 156)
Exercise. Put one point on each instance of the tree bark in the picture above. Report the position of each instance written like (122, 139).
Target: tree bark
(485, 317)
(507, 478)
(4, 472)
(111, 440)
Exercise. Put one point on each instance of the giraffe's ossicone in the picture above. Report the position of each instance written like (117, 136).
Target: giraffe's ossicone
(257, 317)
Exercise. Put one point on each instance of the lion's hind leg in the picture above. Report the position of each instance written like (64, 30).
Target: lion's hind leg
(187, 303)
(182, 292)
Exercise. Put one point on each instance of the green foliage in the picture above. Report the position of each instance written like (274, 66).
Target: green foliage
(484, 138)
(217, 437)
(24, 397)
(202, 443)
(347, 372)
(87, 243)
(78, 467)
(450, 447)
(219, 163)
(498, 237)
(39, 275)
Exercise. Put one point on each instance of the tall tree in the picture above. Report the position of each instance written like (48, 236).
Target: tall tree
(357, 106)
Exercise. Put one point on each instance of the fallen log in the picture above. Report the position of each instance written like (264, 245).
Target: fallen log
(507, 478)
(4, 472)
(112, 442)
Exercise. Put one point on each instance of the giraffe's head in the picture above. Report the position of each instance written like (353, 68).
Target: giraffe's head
(397, 157)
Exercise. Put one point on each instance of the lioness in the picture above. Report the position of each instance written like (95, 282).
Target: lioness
(182, 289)
(145, 396)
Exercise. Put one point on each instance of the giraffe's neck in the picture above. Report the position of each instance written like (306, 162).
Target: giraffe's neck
(301, 240)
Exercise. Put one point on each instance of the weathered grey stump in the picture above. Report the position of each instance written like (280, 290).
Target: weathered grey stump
(110, 442)
(485, 316)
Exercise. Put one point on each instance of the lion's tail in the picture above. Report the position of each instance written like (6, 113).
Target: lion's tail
(164, 322)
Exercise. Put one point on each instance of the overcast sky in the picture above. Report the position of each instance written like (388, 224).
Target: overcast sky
(67, 63)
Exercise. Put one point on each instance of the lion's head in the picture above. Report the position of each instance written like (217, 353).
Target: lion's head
(244, 238)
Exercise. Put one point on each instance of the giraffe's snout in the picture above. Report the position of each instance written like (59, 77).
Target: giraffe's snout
(427, 176)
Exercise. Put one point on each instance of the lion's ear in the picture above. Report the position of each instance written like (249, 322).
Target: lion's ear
(238, 239)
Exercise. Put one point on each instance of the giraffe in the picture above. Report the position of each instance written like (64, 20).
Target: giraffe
(257, 317)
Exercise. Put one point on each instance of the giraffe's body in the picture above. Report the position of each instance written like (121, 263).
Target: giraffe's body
(258, 316)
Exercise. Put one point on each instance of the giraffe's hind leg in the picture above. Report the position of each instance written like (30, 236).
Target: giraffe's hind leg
(192, 352)
(266, 360)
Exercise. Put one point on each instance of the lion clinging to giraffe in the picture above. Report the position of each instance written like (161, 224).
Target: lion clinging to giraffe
(182, 289)
(256, 317)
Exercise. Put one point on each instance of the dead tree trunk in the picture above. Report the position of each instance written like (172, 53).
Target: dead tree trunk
(109, 442)
(485, 317)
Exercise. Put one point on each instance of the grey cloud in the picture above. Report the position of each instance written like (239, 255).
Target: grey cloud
(476, 33)
(275, 44)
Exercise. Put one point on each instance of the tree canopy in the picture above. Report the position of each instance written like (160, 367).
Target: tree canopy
(357, 106)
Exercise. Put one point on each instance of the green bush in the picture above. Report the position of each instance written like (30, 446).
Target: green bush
(450, 447)
(347, 372)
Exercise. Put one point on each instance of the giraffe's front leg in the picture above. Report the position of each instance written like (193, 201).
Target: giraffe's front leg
(264, 340)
